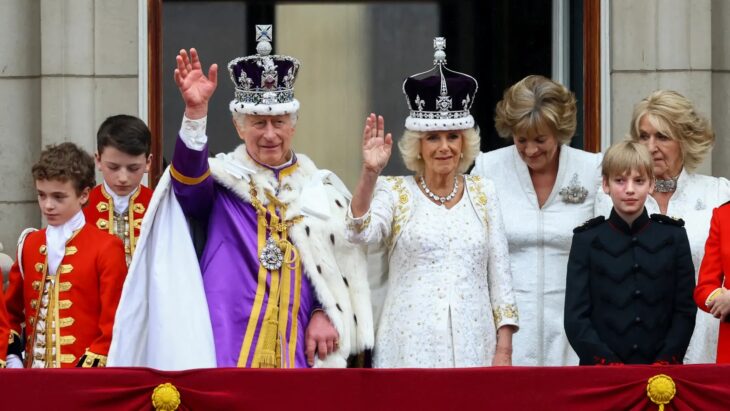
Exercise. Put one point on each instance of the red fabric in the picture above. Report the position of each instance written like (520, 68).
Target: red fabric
(714, 264)
(100, 208)
(94, 286)
(699, 387)
(4, 326)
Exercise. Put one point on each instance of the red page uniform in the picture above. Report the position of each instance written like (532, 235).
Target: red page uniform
(126, 224)
(68, 316)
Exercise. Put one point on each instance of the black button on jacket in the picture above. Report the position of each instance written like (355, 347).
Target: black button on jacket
(628, 296)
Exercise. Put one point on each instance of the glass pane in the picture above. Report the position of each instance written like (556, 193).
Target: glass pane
(354, 58)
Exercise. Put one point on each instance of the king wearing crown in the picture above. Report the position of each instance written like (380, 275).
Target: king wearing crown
(276, 283)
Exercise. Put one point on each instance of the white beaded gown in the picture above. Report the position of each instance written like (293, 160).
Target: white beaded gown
(449, 285)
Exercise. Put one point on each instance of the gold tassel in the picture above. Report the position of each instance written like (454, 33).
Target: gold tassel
(270, 333)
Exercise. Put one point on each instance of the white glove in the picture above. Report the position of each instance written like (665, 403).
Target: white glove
(13, 361)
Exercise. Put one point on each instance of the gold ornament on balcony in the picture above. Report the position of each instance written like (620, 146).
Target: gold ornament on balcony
(661, 389)
(165, 397)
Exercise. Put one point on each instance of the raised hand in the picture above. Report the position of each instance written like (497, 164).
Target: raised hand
(195, 88)
(376, 147)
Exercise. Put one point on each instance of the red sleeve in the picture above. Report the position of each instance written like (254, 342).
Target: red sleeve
(14, 300)
(4, 326)
(112, 270)
(711, 275)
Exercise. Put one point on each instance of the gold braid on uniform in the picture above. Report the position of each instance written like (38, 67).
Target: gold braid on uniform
(270, 356)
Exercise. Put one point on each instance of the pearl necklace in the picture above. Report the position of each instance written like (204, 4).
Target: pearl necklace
(435, 197)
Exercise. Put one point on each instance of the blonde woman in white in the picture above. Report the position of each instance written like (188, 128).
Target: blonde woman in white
(546, 188)
(678, 139)
(448, 298)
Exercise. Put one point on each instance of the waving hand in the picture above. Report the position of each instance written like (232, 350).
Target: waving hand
(195, 88)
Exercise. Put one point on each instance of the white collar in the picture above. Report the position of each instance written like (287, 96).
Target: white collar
(121, 203)
(56, 238)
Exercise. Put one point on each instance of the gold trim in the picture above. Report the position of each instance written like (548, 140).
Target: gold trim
(67, 358)
(190, 181)
(137, 223)
(90, 357)
(402, 211)
(67, 340)
(71, 250)
(39, 267)
(139, 208)
(359, 224)
(253, 318)
(42, 249)
(66, 322)
(34, 304)
(36, 285)
(65, 304)
(474, 190)
(110, 212)
(503, 312)
(65, 268)
(64, 286)
(165, 397)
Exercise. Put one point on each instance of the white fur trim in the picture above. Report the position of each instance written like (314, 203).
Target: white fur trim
(264, 109)
(423, 124)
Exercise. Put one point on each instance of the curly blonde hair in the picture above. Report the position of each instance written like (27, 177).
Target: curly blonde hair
(674, 115)
(534, 103)
(410, 149)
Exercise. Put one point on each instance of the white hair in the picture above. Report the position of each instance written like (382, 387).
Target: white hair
(240, 118)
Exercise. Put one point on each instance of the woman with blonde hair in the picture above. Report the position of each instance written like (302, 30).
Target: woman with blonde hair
(678, 139)
(449, 300)
(545, 188)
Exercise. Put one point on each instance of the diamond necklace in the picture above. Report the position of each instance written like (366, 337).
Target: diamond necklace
(433, 196)
(666, 186)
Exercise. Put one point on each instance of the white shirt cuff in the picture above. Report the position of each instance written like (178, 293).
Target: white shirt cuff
(192, 133)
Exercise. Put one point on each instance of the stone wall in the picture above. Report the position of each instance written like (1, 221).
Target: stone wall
(66, 65)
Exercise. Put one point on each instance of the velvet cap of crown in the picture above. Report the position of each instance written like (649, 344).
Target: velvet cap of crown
(440, 98)
(264, 83)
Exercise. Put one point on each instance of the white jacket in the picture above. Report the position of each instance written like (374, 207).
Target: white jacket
(539, 244)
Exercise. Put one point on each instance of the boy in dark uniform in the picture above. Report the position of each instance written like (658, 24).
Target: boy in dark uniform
(630, 279)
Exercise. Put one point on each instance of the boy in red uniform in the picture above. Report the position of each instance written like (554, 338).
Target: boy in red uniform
(118, 204)
(66, 282)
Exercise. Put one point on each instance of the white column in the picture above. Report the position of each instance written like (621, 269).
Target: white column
(20, 116)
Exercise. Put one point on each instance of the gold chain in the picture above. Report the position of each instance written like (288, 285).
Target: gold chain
(280, 227)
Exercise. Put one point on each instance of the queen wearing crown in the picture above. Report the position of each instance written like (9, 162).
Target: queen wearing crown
(446, 279)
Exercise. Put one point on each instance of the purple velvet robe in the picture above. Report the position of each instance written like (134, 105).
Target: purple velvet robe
(230, 264)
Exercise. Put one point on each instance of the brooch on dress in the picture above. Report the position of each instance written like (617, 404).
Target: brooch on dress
(573, 193)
